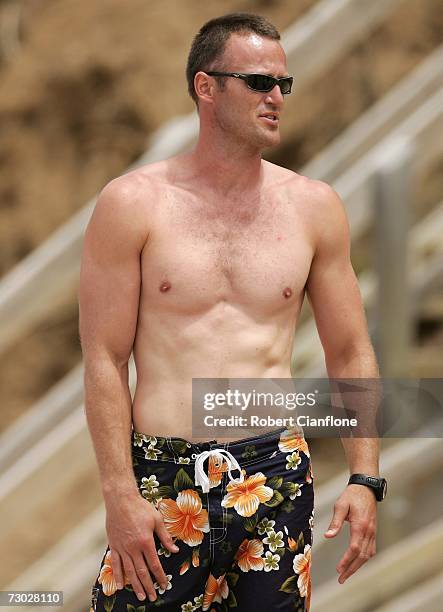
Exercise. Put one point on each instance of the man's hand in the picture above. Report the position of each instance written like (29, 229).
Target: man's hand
(130, 524)
(357, 504)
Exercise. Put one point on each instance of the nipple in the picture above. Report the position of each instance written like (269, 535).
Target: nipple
(287, 292)
(165, 286)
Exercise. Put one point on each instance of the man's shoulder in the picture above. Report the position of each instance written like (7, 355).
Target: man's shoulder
(321, 205)
(324, 201)
(128, 201)
(317, 191)
(327, 214)
(137, 182)
(320, 197)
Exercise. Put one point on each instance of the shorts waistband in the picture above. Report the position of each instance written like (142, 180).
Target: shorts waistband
(180, 450)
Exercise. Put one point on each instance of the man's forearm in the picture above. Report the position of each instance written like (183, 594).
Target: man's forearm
(108, 407)
(362, 453)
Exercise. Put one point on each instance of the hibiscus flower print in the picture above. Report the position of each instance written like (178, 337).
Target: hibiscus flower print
(249, 554)
(151, 453)
(168, 586)
(246, 496)
(164, 551)
(274, 540)
(291, 440)
(149, 489)
(271, 561)
(249, 452)
(106, 577)
(293, 461)
(216, 590)
(139, 438)
(185, 518)
(216, 467)
(198, 601)
(311, 522)
(309, 474)
(296, 490)
(302, 567)
(292, 544)
(150, 484)
(195, 557)
(153, 498)
(265, 526)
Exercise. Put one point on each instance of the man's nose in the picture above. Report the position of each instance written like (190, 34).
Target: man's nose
(275, 96)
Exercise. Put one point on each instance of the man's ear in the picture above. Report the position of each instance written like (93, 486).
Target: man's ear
(204, 86)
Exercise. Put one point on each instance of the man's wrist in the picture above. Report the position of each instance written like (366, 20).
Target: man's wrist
(112, 489)
(367, 468)
(377, 484)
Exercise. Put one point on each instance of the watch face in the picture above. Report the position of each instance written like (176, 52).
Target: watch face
(385, 488)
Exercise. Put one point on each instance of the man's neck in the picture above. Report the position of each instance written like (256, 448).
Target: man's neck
(227, 168)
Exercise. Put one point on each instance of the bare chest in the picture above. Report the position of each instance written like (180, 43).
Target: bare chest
(250, 254)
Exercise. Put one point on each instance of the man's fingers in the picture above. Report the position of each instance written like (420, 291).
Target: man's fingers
(357, 562)
(354, 549)
(155, 567)
(340, 512)
(164, 536)
(132, 576)
(117, 570)
(143, 574)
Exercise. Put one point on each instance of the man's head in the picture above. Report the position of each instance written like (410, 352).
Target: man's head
(208, 47)
(240, 43)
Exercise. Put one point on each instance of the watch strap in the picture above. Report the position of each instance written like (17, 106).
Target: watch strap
(378, 485)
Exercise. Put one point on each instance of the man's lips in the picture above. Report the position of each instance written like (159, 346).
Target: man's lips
(271, 118)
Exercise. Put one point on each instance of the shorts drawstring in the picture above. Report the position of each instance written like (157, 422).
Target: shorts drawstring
(201, 478)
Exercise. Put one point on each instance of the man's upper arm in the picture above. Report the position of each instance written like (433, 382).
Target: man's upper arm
(110, 275)
(332, 287)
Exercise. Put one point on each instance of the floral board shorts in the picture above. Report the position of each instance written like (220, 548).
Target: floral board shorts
(245, 538)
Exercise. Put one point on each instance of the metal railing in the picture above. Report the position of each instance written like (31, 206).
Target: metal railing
(356, 186)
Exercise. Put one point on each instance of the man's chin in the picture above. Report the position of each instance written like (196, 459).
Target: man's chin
(271, 140)
(263, 139)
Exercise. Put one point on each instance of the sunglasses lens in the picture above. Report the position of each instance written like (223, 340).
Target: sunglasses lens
(285, 85)
(261, 82)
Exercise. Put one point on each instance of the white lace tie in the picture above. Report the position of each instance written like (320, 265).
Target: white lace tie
(201, 478)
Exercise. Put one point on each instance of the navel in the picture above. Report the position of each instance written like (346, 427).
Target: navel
(165, 286)
(287, 292)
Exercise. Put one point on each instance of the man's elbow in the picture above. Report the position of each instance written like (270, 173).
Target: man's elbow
(100, 362)
(356, 350)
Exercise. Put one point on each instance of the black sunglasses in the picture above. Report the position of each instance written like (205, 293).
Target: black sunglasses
(259, 82)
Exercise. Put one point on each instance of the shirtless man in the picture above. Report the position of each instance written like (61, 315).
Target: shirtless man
(200, 264)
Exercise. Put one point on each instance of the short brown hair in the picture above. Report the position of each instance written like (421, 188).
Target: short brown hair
(209, 44)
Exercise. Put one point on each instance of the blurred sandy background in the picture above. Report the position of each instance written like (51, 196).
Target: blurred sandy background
(83, 84)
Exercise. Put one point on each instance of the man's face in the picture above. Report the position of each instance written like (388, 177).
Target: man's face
(238, 110)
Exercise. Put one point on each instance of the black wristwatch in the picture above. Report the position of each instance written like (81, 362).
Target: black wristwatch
(378, 485)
